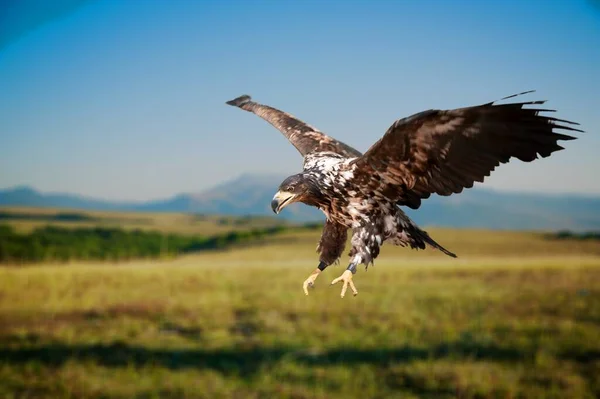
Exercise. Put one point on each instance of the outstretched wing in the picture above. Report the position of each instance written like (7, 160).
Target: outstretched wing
(445, 151)
(304, 137)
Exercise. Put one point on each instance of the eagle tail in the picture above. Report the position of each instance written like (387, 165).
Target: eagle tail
(427, 239)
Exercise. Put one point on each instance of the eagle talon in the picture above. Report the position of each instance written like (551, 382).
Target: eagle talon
(346, 277)
(310, 281)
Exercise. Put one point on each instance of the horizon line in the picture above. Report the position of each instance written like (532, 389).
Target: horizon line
(477, 186)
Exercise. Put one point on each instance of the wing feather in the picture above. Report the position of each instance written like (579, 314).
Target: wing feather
(445, 151)
(304, 137)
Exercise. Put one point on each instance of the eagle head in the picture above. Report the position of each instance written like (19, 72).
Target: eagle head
(297, 188)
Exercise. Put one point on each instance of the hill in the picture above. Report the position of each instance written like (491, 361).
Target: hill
(251, 194)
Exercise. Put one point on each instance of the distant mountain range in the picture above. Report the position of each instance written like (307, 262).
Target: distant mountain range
(251, 195)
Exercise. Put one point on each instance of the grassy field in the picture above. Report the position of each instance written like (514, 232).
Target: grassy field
(515, 316)
(25, 219)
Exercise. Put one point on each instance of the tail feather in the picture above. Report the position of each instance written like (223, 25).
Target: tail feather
(409, 233)
(434, 244)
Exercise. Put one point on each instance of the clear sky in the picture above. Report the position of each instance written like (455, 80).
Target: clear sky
(126, 99)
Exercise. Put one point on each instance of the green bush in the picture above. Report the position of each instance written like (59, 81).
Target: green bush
(53, 243)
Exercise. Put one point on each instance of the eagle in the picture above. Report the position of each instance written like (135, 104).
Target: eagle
(431, 152)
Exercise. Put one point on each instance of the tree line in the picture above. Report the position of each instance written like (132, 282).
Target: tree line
(570, 235)
(52, 243)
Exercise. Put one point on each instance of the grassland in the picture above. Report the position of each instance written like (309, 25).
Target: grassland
(515, 316)
(24, 220)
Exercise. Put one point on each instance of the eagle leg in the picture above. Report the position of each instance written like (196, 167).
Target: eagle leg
(346, 277)
(310, 281)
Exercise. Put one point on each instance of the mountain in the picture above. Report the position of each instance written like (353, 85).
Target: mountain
(251, 194)
(485, 208)
(246, 195)
(26, 196)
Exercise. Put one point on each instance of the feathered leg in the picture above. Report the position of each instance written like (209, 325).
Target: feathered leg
(365, 248)
(331, 245)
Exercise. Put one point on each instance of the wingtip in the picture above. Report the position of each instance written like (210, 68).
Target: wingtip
(518, 94)
(513, 96)
(239, 101)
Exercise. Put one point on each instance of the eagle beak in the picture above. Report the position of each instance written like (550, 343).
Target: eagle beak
(281, 200)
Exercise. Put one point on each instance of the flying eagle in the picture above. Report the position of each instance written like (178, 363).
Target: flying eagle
(431, 152)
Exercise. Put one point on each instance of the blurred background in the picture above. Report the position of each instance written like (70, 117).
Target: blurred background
(139, 256)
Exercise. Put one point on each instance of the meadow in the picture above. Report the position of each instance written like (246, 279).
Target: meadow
(25, 220)
(517, 315)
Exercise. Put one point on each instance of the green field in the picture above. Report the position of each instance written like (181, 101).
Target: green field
(25, 220)
(517, 315)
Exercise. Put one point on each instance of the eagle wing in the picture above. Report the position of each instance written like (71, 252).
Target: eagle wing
(304, 137)
(445, 151)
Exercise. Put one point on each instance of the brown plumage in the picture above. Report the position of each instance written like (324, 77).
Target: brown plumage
(304, 137)
(332, 242)
(443, 152)
(433, 152)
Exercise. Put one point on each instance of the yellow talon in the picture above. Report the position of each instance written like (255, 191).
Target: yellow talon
(310, 281)
(346, 277)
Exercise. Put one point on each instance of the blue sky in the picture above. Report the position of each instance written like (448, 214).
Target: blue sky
(126, 99)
